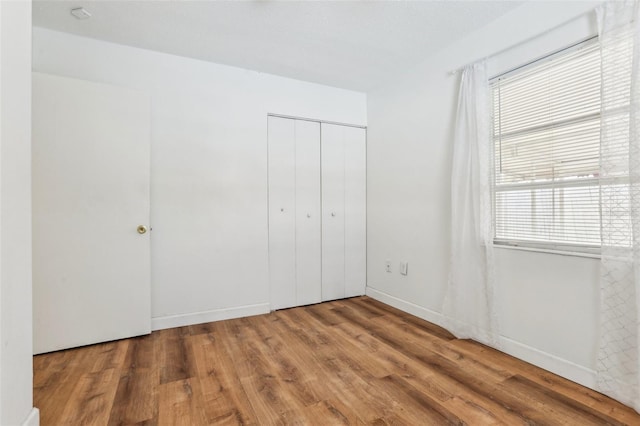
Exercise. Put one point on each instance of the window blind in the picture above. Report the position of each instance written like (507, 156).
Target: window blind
(546, 133)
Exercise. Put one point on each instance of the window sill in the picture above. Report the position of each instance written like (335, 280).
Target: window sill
(549, 251)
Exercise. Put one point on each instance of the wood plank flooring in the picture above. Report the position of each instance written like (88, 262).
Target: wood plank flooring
(354, 361)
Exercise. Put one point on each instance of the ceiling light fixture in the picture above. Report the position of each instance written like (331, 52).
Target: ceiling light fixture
(80, 13)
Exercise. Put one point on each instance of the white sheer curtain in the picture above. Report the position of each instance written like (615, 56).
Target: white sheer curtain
(468, 306)
(618, 363)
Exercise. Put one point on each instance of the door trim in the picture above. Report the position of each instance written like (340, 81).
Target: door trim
(292, 117)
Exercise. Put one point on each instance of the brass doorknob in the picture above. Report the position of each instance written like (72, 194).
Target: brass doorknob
(142, 229)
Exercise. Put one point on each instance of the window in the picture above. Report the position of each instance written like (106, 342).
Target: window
(546, 134)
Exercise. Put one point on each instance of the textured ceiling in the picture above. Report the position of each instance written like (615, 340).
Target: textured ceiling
(353, 45)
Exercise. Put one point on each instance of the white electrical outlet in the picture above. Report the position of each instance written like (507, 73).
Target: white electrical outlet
(404, 268)
(387, 265)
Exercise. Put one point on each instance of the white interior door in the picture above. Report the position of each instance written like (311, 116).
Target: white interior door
(355, 196)
(91, 165)
(308, 229)
(333, 260)
(282, 227)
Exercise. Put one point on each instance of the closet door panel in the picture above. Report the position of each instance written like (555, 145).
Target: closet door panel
(333, 261)
(355, 211)
(308, 229)
(282, 235)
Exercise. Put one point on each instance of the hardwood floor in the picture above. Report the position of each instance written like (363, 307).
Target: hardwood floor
(354, 361)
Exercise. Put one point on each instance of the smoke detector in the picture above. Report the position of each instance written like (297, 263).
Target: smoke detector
(80, 13)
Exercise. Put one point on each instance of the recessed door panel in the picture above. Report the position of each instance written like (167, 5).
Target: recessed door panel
(355, 211)
(308, 230)
(333, 261)
(282, 226)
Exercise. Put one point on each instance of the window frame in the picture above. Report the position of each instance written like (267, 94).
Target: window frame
(549, 246)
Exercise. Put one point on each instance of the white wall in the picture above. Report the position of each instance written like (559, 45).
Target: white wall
(16, 402)
(208, 166)
(547, 302)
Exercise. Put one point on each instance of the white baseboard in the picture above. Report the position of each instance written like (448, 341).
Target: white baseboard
(560, 366)
(180, 320)
(33, 419)
(403, 305)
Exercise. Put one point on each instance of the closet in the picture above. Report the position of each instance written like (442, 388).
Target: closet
(317, 211)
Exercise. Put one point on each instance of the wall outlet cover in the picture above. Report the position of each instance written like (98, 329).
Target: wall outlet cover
(404, 268)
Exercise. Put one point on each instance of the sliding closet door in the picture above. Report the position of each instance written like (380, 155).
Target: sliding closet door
(355, 196)
(282, 230)
(333, 203)
(307, 196)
